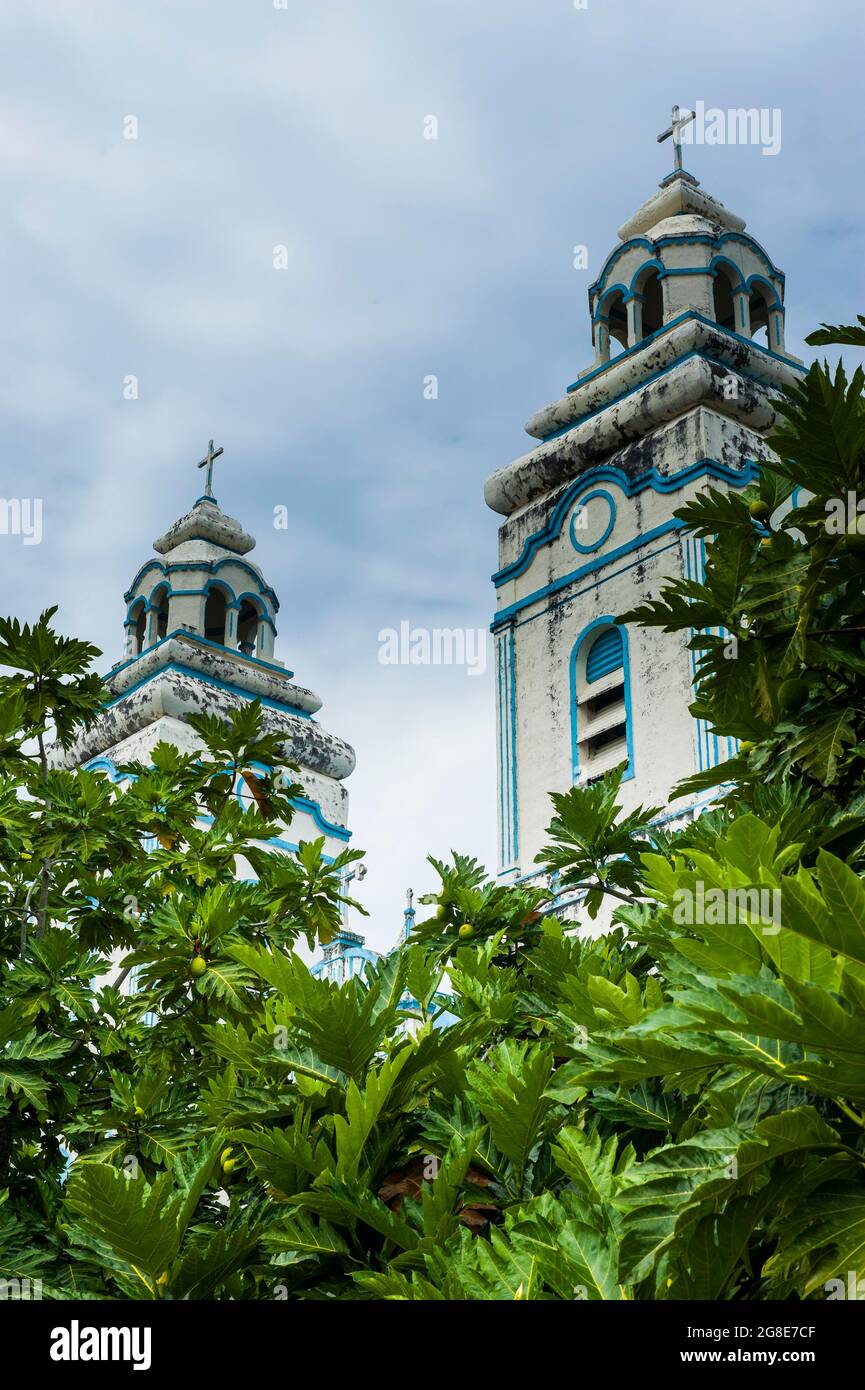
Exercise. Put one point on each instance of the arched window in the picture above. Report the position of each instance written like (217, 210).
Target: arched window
(651, 309)
(139, 618)
(159, 606)
(722, 292)
(247, 627)
(759, 307)
(215, 615)
(616, 313)
(601, 702)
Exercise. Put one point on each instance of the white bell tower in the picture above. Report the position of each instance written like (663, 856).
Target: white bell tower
(678, 398)
(200, 629)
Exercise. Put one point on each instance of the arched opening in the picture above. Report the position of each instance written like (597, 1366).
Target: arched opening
(247, 627)
(139, 618)
(722, 294)
(159, 606)
(601, 733)
(758, 304)
(652, 308)
(215, 616)
(616, 314)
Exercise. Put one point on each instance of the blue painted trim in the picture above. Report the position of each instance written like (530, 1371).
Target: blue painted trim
(502, 782)
(697, 353)
(686, 270)
(652, 264)
(106, 765)
(611, 290)
(651, 478)
(665, 328)
(591, 568)
(508, 804)
(775, 305)
(614, 256)
(720, 260)
(209, 567)
(596, 545)
(215, 646)
(556, 585)
(607, 621)
(303, 803)
(280, 705)
(312, 808)
(684, 239)
(596, 585)
(515, 815)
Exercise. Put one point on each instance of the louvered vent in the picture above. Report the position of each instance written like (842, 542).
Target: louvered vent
(605, 656)
(602, 719)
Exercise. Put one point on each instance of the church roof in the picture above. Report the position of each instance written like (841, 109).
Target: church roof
(679, 197)
(206, 522)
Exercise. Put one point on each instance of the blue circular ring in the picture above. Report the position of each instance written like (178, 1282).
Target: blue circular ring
(596, 545)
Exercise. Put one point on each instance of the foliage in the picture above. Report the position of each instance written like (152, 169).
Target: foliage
(674, 1108)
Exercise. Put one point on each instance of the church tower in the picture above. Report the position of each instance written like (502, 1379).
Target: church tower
(199, 633)
(679, 398)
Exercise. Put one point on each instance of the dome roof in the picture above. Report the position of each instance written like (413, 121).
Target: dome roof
(206, 521)
(680, 194)
(683, 224)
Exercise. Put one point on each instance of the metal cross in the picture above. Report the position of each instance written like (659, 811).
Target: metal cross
(674, 129)
(207, 462)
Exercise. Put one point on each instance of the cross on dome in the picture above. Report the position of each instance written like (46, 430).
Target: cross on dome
(674, 129)
(207, 462)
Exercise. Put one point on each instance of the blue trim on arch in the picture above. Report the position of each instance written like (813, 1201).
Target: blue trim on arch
(595, 585)
(566, 580)
(683, 239)
(257, 602)
(606, 655)
(651, 478)
(775, 306)
(599, 314)
(720, 260)
(652, 263)
(596, 545)
(614, 256)
(206, 566)
(607, 621)
(218, 585)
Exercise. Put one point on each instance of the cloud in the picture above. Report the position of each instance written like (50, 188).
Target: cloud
(406, 257)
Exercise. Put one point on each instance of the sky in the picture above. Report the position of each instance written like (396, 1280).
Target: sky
(303, 125)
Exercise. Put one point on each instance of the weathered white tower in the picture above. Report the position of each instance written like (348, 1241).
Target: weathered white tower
(200, 629)
(678, 398)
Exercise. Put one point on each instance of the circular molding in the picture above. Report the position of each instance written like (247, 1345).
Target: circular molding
(586, 546)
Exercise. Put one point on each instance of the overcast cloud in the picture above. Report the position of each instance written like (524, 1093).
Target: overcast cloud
(406, 257)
